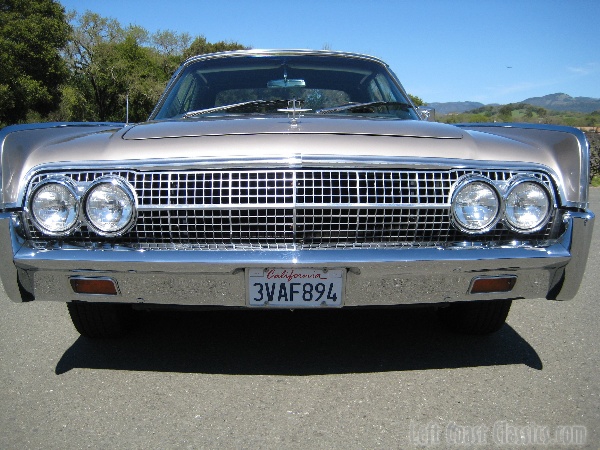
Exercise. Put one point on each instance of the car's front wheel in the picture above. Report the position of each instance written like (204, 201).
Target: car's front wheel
(100, 320)
(479, 317)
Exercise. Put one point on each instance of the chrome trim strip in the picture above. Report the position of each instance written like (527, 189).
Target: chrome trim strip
(228, 261)
(295, 162)
(243, 207)
(281, 52)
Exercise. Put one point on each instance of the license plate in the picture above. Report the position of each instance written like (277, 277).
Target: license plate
(296, 288)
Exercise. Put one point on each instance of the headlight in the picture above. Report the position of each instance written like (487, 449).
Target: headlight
(475, 205)
(528, 205)
(110, 206)
(54, 206)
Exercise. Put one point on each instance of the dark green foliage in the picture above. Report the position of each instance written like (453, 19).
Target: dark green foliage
(417, 101)
(32, 33)
(201, 46)
(84, 67)
(594, 140)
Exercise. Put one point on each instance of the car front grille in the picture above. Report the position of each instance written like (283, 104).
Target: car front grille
(291, 209)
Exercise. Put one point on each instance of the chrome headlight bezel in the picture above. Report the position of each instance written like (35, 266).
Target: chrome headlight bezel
(467, 182)
(517, 182)
(70, 187)
(125, 188)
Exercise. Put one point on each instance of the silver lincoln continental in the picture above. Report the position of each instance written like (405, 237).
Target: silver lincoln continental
(269, 179)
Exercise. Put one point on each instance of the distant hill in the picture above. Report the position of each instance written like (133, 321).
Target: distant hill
(564, 102)
(556, 102)
(454, 107)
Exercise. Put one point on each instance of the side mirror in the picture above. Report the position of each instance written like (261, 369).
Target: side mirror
(426, 113)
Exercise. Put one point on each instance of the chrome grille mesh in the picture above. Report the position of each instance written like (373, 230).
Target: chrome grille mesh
(279, 208)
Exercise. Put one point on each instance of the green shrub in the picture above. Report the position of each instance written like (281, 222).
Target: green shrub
(594, 140)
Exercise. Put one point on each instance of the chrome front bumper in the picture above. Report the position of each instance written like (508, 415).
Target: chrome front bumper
(375, 277)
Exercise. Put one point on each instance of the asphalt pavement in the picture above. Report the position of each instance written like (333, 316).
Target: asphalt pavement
(305, 379)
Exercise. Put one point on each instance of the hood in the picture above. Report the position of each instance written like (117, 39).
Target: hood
(243, 141)
(232, 125)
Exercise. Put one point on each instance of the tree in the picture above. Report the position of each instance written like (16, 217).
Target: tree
(201, 46)
(87, 54)
(505, 112)
(32, 34)
(171, 47)
(416, 100)
(108, 64)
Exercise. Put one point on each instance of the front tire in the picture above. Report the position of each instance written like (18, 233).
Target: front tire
(479, 317)
(100, 320)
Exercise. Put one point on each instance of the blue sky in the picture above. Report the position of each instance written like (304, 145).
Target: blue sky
(442, 50)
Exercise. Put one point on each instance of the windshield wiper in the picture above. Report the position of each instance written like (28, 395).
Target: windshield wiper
(364, 106)
(233, 106)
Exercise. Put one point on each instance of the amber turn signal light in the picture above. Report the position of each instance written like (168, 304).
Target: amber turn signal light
(485, 285)
(98, 286)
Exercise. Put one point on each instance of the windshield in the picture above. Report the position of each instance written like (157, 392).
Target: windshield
(317, 85)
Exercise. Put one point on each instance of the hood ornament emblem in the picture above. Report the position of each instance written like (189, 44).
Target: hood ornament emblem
(294, 108)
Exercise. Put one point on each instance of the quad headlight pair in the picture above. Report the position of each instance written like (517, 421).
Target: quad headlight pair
(478, 204)
(107, 206)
